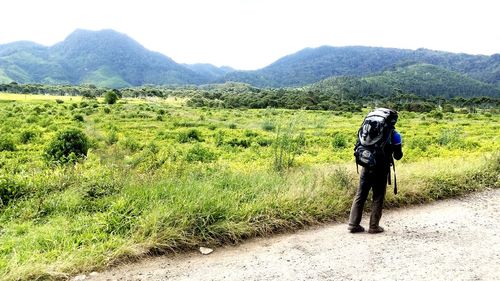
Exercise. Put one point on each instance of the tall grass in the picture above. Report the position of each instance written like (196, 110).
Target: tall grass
(152, 185)
(88, 226)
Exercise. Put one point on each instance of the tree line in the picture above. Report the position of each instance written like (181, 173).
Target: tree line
(239, 95)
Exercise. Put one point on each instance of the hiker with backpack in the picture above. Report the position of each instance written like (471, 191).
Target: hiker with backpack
(378, 142)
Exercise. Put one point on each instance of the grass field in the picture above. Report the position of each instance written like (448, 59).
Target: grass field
(160, 176)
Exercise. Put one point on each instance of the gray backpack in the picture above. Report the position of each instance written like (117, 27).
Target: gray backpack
(375, 132)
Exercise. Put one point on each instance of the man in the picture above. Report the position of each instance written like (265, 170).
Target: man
(376, 179)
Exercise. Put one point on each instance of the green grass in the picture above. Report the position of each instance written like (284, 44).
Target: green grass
(150, 185)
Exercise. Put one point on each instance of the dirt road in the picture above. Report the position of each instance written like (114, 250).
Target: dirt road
(449, 240)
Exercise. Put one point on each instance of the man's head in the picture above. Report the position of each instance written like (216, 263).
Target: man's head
(393, 117)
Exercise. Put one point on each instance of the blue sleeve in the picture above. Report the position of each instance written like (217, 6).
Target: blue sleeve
(396, 138)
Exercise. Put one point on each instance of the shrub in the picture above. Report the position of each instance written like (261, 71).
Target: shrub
(199, 153)
(436, 114)
(9, 190)
(107, 110)
(250, 133)
(26, 136)
(450, 136)
(339, 141)
(264, 141)
(190, 135)
(78, 118)
(268, 126)
(287, 146)
(448, 108)
(37, 109)
(100, 186)
(59, 101)
(245, 143)
(110, 97)
(219, 138)
(420, 142)
(130, 144)
(7, 144)
(112, 137)
(67, 147)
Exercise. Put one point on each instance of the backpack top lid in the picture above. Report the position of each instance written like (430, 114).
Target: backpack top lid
(373, 129)
(390, 115)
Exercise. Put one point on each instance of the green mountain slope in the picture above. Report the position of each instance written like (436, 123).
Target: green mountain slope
(423, 80)
(104, 58)
(311, 65)
(111, 59)
(209, 71)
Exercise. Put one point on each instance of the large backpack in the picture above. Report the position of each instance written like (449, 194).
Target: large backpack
(375, 132)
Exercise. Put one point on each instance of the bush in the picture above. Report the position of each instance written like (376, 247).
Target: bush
(190, 135)
(199, 153)
(107, 110)
(78, 118)
(67, 147)
(268, 126)
(59, 101)
(7, 144)
(450, 136)
(448, 108)
(26, 136)
(111, 138)
(9, 190)
(110, 97)
(130, 144)
(287, 146)
(420, 142)
(436, 114)
(219, 138)
(245, 143)
(339, 141)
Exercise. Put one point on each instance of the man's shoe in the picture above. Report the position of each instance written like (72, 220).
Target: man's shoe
(355, 228)
(374, 230)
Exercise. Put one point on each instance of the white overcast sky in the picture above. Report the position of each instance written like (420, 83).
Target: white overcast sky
(250, 34)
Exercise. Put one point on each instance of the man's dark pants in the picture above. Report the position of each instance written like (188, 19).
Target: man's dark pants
(377, 181)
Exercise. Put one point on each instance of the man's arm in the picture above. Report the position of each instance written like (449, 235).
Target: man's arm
(397, 141)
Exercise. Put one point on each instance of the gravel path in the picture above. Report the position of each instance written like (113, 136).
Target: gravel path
(449, 240)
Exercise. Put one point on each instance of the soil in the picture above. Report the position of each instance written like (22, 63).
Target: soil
(454, 239)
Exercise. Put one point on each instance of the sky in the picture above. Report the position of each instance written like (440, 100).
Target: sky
(251, 34)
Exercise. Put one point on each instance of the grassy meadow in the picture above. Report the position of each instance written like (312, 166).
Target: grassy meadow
(160, 176)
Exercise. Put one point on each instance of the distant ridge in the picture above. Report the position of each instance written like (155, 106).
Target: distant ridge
(107, 58)
(311, 65)
(104, 58)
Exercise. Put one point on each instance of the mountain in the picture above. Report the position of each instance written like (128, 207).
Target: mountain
(25, 61)
(313, 64)
(108, 58)
(423, 80)
(209, 71)
(104, 58)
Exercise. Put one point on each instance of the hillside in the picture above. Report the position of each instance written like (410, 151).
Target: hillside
(313, 64)
(108, 58)
(105, 58)
(424, 80)
(209, 71)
